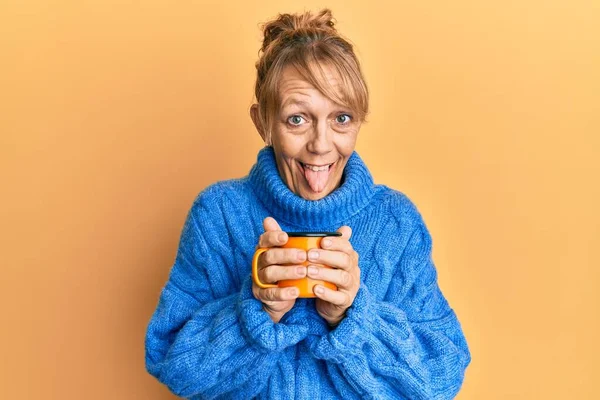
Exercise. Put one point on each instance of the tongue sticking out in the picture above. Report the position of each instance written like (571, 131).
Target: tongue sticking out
(316, 179)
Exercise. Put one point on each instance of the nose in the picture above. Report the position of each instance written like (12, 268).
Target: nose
(321, 141)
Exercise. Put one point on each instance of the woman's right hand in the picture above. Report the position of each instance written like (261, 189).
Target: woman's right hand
(277, 264)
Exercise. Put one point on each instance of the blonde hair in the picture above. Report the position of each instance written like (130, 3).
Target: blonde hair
(307, 42)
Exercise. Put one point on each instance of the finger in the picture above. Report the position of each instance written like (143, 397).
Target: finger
(337, 244)
(270, 224)
(340, 278)
(335, 259)
(277, 256)
(277, 294)
(276, 273)
(346, 231)
(272, 239)
(275, 306)
(334, 297)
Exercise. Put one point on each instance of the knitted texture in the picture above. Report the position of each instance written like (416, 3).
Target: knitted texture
(209, 338)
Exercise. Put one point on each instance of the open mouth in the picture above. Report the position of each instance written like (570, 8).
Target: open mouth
(317, 176)
(316, 168)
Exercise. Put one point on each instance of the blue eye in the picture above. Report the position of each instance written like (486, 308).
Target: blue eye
(343, 119)
(295, 120)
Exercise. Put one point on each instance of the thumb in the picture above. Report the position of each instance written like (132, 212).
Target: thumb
(346, 232)
(270, 224)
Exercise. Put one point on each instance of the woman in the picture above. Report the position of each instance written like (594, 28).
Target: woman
(386, 333)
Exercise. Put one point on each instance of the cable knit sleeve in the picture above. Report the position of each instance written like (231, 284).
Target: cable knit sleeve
(406, 343)
(206, 339)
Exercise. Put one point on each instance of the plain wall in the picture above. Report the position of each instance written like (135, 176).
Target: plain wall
(115, 115)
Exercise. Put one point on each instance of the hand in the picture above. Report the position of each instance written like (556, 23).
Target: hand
(274, 265)
(336, 252)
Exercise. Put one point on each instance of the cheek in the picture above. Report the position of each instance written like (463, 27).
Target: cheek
(345, 145)
(287, 156)
(290, 146)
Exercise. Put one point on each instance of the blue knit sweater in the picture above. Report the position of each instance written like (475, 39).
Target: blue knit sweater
(210, 338)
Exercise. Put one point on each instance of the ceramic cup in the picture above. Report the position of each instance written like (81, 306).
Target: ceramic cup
(297, 240)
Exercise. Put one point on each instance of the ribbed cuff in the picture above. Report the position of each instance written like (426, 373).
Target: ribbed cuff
(348, 338)
(305, 313)
(259, 328)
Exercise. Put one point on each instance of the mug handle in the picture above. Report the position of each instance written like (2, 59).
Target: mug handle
(255, 270)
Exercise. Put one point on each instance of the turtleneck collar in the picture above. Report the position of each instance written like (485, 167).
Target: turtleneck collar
(356, 191)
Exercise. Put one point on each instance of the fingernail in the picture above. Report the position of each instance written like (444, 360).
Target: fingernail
(293, 292)
(319, 290)
(312, 270)
(326, 242)
(281, 237)
(301, 271)
(313, 255)
(301, 255)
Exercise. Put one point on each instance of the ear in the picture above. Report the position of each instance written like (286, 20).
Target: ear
(257, 123)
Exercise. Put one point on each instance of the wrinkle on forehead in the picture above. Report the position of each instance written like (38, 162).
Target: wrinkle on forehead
(293, 87)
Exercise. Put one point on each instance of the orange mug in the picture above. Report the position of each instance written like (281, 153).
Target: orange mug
(303, 241)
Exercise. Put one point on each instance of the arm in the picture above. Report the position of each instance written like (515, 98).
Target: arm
(408, 345)
(203, 341)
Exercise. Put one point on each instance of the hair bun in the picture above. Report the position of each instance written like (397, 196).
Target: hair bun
(287, 23)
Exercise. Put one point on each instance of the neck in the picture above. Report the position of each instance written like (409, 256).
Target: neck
(354, 192)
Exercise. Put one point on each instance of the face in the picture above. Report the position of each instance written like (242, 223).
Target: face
(312, 137)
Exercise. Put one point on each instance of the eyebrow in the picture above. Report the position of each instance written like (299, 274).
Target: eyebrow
(294, 101)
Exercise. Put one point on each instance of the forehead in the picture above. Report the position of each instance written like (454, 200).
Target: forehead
(293, 83)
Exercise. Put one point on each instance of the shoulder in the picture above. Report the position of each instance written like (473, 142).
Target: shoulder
(217, 206)
(219, 195)
(400, 207)
(404, 220)
(214, 211)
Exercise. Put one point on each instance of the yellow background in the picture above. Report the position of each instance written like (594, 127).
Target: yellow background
(114, 115)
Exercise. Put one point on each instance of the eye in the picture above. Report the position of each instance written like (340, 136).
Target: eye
(343, 119)
(295, 120)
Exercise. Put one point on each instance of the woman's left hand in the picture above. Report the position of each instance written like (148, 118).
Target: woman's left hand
(336, 252)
